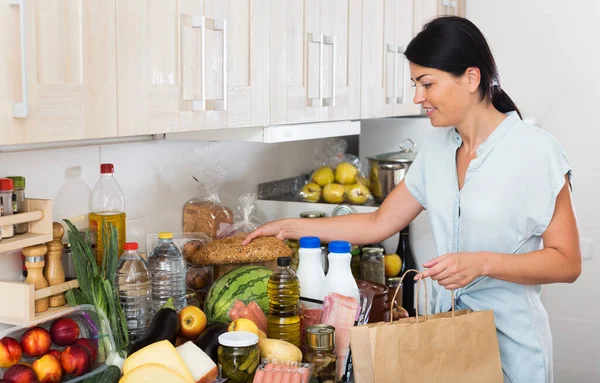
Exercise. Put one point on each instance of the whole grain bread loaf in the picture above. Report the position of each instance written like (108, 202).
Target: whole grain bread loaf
(230, 250)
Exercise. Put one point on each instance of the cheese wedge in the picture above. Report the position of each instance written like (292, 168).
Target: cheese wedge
(162, 353)
(152, 373)
(200, 365)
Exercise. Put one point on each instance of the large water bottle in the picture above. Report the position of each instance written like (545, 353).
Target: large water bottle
(283, 291)
(133, 283)
(167, 269)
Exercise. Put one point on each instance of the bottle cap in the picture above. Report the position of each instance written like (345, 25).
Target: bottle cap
(6, 184)
(18, 181)
(238, 339)
(320, 337)
(130, 246)
(283, 261)
(165, 235)
(107, 168)
(339, 247)
(310, 243)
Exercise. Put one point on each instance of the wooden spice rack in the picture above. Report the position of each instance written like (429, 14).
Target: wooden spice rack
(17, 305)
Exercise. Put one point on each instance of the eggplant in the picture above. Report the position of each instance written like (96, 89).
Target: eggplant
(164, 326)
(208, 340)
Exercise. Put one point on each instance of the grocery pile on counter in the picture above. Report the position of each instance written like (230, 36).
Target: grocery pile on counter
(202, 307)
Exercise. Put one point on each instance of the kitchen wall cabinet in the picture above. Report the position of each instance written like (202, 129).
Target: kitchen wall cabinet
(386, 85)
(425, 10)
(315, 60)
(58, 72)
(192, 65)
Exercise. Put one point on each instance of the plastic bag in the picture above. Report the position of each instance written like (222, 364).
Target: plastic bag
(338, 177)
(245, 220)
(207, 215)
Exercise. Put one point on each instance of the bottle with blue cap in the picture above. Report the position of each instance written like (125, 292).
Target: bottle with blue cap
(339, 277)
(310, 271)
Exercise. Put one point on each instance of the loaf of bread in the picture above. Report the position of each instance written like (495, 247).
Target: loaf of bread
(230, 250)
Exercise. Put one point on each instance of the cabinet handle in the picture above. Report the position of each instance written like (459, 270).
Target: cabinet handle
(330, 40)
(317, 39)
(393, 49)
(21, 109)
(400, 98)
(200, 22)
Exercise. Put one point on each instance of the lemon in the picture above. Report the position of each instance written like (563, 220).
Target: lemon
(393, 265)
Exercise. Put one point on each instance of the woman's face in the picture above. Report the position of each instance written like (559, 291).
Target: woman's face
(445, 98)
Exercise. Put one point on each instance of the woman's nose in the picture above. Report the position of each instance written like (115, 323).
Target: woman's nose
(418, 99)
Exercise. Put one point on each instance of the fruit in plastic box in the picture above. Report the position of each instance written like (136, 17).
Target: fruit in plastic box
(334, 193)
(20, 373)
(10, 352)
(76, 360)
(346, 173)
(323, 176)
(36, 342)
(48, 369)
(357, 194)
(311, 192)
(64, 331)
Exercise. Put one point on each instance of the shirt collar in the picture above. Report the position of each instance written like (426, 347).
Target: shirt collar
(486, 146)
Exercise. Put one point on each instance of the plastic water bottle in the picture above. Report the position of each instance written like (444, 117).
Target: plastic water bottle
(133, 283)
(283, 291)
(167, 269)
(339, 278)
(310, 270)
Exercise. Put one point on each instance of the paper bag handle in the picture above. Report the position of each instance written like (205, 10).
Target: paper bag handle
(417, 303)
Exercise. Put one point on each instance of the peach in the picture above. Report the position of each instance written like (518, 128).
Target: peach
(36, 342)
(10, 352)
(55, 353)
(76, 360)
(20, 373)
(90, 345)
(48, 369)
(64, 331)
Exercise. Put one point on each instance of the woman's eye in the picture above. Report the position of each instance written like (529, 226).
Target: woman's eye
(426, 86)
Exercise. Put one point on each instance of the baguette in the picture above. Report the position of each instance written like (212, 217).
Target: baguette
(231, 251)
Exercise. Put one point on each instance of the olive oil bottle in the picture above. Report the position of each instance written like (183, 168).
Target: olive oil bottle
(283, 291)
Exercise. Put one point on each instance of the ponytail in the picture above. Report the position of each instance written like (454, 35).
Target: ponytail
(502, 102)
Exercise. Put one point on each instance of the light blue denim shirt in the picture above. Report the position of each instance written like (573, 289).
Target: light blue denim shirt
(505, 206)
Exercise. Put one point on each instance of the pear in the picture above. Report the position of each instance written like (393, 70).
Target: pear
(346, 173)
(364, 181)
(334, 193)
(311, 192)
(323, 176)
(357, 194)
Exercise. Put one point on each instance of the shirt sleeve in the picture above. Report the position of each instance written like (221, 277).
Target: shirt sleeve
(415, 177)
(548, 180)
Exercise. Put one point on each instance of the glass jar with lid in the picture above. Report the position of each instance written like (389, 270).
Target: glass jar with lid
(19, 202)
(238, 355)
(372, 265)
(320, 342)
(6, 205)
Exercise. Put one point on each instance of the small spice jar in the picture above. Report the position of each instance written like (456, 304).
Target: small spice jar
(320, 342)
(19, 201)
(372, 265)
(6, 205)
(238, 355)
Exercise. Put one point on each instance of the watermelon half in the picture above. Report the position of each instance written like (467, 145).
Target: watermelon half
(245, 283)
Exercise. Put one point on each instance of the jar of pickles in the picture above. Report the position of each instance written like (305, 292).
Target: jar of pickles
(372, 265)
(320, 342)
(238, 356)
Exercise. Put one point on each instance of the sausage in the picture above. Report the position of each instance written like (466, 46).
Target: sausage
(234, 313)
(268, 376)
(239, 304)
(296, 378)
(259, 376)
(268, 367)
(303, 371)
(260, 315)
(278, 376)
(247, 313)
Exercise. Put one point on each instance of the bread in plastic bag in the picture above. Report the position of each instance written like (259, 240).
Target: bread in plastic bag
(245, 219)
(338, 177)
(206, 214)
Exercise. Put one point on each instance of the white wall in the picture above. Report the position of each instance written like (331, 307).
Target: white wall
(547, 53)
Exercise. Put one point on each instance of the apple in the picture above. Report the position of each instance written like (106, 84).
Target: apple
(311, 192)
(357, 194)
(244, 324)
(346, 173)
(55, 353)
(334, 193)
(36, 342)
(20, 373)
(76, 360)
(192, 321)
(10, 352)
(91, 347)
(323, 176)
(48, 369)
(64, 331)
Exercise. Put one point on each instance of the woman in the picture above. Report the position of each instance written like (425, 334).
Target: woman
(494, 186)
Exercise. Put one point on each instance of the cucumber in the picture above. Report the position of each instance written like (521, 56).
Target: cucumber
(234, 374)
(111, 375)
(252, 357)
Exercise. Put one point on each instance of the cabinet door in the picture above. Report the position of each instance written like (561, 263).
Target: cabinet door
(404, 91)
(191, 65)
(424, 11)
(58, 81)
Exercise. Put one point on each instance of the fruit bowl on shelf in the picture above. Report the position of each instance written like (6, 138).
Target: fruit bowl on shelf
(68, 347)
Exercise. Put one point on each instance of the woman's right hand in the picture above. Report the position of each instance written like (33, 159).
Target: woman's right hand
(271, 229)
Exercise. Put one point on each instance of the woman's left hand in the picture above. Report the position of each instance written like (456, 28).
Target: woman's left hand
(454, 270)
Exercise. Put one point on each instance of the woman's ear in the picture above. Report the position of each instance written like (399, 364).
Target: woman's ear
(473, 76)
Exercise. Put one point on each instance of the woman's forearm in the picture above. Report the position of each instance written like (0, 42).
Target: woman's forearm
(534, 268)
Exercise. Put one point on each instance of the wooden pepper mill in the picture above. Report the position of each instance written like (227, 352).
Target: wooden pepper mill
(35, 261)
(54, 271)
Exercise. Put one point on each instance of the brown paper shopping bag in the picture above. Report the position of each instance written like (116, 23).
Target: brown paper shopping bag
(458, 346)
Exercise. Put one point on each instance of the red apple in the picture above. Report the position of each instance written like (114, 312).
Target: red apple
(64, 331)
(20, 373)
(55, 353)
(48, 369)
(91, 347)
(36, 342)
(10, 352)
(76, 360)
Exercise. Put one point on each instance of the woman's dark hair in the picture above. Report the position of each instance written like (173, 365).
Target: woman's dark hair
(453, 44)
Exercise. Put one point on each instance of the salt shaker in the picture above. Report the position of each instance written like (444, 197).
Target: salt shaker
(35, 261)
(54, 271)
